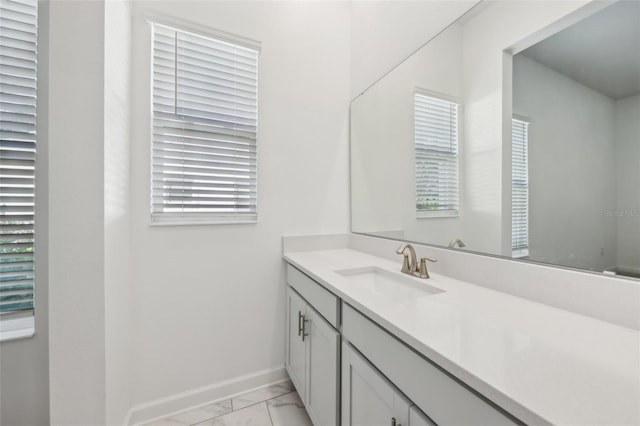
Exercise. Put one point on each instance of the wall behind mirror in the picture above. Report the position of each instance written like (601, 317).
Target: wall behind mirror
(516, 131)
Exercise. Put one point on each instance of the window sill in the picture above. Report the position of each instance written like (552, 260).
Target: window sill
(427, 214)
(520, 253)
(17, 328)
(202, 222)
(194, 220)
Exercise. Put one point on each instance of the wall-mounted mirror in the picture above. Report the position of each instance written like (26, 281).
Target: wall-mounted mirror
(514, 132)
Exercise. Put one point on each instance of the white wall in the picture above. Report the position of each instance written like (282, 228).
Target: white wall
(117, 217)
(208, 301)
(627, 138)
(383, 33)
(24, 365)
(76, 213)
(571, 167)
(89, 357)
(383, 143)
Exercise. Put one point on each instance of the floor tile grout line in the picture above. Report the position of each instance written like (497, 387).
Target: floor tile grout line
(251, 405)
(216, 416)
(268, 399)
(286, 393)
(269, 411)
(188, 410)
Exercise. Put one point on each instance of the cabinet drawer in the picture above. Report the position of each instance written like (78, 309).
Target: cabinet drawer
(444, 399)
(322, 300)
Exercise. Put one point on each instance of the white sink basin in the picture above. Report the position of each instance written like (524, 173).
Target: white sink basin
(394, 286)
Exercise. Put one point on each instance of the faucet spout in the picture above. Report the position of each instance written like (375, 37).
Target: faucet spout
(410, 262)
(457, 242)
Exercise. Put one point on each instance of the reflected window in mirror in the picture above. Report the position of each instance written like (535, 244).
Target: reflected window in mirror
(436, 155)
(519, 188)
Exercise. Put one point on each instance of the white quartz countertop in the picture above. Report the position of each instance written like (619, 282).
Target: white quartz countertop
(541, 364)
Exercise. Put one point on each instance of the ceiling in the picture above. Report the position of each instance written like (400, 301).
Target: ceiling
(601, 52)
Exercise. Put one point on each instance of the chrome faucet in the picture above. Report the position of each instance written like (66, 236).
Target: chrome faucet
(410, 263)
(457, 242)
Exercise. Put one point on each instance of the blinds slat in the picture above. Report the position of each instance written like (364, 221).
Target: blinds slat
(168, 183)
(202, 128)
(172, 161)
(166, 83)
(230, 198)
(20, 228)
(192, 147)
(180, 175)
(209, 81)
(221, 207)
(207, 161)
(194, 136)
(178, 192)
(15, 258)
(196, 173)
(209, 44)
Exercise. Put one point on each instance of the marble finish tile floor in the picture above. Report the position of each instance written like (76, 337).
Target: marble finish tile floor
(274, 405)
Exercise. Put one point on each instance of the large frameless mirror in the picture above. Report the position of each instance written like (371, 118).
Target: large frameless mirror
(523, 145)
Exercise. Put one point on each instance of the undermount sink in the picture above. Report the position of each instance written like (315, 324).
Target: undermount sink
(394, 286)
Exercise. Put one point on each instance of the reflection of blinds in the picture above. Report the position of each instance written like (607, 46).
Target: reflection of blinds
(18, 48)
(436, 151)
(519, 185)
(204, 128)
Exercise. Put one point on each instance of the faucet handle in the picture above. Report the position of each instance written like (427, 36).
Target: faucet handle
(424, 273)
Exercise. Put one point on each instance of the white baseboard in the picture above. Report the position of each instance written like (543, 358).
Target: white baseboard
(222, 390)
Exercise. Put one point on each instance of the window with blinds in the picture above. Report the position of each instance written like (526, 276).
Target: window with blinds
(18, 71)
(519, 188)
(436, 156)
(205, 117)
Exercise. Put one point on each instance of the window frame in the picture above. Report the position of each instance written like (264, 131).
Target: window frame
(448, 213)
(198, 218)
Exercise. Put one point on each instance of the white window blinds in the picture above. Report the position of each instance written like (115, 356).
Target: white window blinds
(205, 118)
(520, 188)
(436, 152)
(18, 59)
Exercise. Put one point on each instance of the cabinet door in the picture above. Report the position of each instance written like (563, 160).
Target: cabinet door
(296, 353)
(322, 375)
(368, 399)
(418, 418)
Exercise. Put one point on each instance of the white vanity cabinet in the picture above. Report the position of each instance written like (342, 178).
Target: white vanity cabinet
(372, 378)
(369, 399)
(313, 350)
